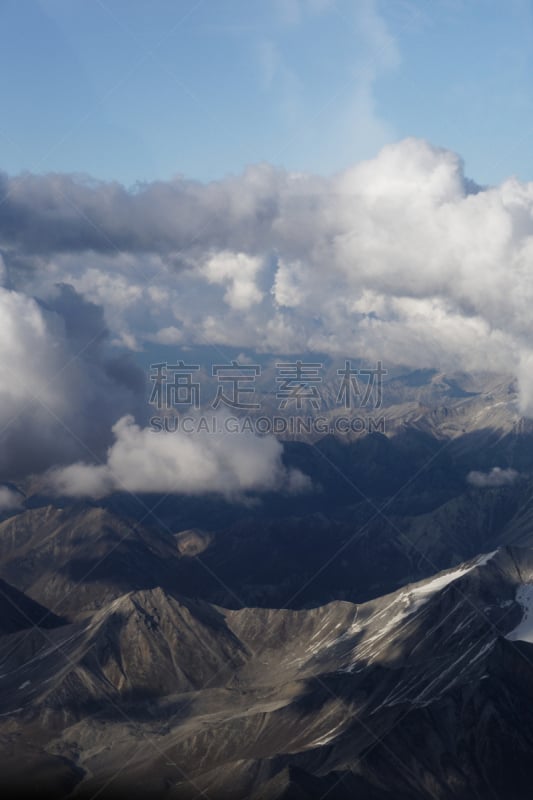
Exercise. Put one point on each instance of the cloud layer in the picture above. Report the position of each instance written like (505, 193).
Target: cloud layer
(399, 258)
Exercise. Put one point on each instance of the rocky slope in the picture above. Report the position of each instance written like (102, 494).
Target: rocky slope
(77, 558)
(424, 693)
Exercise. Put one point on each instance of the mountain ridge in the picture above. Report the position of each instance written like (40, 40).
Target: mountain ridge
(302, 687)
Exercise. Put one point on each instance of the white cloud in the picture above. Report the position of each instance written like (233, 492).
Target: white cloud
(169, 335)
(57, 384)
(145, 460)
(496, 477)
(398, 258)
(237, 272)
(9, 500)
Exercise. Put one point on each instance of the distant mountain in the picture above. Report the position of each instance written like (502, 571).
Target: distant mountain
(289, 646)
(424, 693)
(76, 558)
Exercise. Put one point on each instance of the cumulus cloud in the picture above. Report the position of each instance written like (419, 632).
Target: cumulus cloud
(237, 272)
(399, 257)
(145, 460)
(495, 477)
(58, 383)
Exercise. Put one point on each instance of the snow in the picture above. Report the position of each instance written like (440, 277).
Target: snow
(421, 593)
(327, 737)
(524, 631)
(439, 582)
(400, 611)
(483, 559)
(367, 639)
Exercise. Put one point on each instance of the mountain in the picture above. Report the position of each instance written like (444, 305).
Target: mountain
(368, 639)
(403, 503)
(423, 693)
(18, 612)
(77, 558)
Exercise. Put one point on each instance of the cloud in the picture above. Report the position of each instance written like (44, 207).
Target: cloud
(9, 499)
(145, 460)
(52, 214)
(347, 118)
(400, 257)
(237, 272)
(378, 54)
(496, 477)
(58, 382)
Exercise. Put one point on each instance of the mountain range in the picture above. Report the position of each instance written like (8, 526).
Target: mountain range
(371, 639)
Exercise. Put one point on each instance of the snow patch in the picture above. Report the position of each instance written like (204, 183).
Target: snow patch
(422, 593)
(524, 631)
(328, 737)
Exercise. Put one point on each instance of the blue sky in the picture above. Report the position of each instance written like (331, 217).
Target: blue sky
(142, 90)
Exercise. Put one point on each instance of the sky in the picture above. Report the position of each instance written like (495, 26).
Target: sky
(143, 90)
(274, 178)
